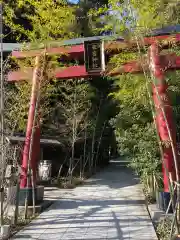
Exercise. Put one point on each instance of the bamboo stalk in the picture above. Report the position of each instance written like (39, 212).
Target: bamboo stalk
(173, 222)
(35, 89)
(33, 194)
(85, 163)
(99, 143)
(93, 139)
(74, 133)
(80, 172)
(84, 150)
(2, 116)
(2, 205)
(16, 212)
(40, 71)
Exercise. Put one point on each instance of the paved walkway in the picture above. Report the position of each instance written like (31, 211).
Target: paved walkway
(109, 206)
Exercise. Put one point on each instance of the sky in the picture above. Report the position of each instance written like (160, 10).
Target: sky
(73, 1)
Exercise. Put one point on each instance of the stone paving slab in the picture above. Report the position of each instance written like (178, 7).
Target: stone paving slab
(109, 206)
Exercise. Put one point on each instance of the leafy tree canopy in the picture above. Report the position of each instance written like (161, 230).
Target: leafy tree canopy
(39, 21)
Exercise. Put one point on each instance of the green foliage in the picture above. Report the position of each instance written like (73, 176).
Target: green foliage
(139, 143)
(70, 110)
(155, 14)
(46, 21)
(17, 96)
(41, 20)
(16, 110)
(66, 183)
(163, 229)
(69, 107)
(69, 104)
(146, 159)
(135, 116)
(134, 125)
(127, 18)
(135, 131)
(86, 23)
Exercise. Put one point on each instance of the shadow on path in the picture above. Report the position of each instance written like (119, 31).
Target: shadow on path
(109, 206)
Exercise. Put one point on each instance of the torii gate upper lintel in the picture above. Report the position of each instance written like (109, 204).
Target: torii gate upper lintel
(158, 63)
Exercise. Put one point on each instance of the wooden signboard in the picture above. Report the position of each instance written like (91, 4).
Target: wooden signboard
(94, 56)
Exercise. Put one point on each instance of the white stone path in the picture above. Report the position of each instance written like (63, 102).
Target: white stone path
(109, 206)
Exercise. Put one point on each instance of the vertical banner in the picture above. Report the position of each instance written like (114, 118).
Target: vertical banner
(94, 56)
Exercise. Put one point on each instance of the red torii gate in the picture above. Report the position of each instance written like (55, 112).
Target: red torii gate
(158, 64)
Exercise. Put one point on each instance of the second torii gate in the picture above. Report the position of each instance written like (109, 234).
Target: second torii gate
(95, 66)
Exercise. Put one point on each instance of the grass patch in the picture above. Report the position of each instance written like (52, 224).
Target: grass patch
(163, 229)
(67, 183)
(148, 197)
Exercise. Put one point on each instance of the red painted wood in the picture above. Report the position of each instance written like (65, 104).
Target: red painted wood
(170, 61)
(20, 75)
(151, 40)
(72, 72)
(177, 63)
(72, 50)
(66, 73)
(160, 88)
(35, 150)
(78, 50)
(30, 122)
(131, 67)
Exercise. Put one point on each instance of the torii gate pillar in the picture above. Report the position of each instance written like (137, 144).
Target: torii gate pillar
(159, 87)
